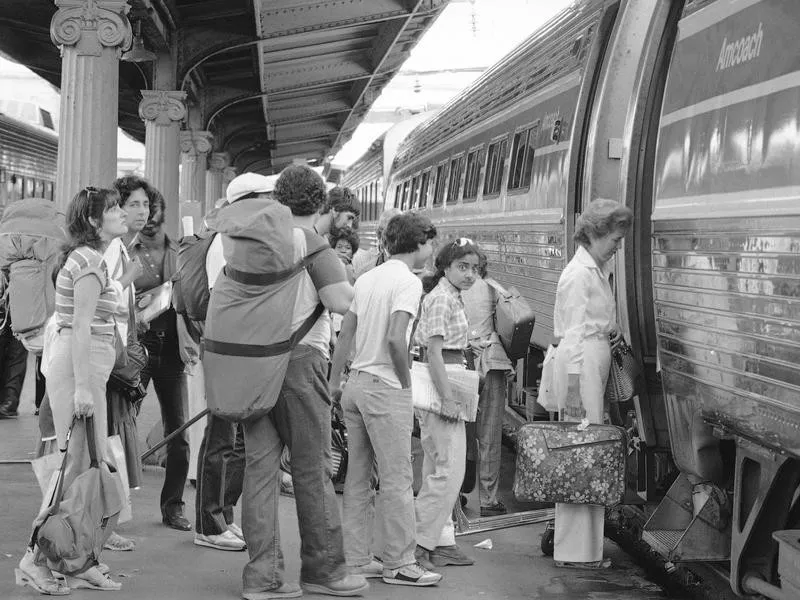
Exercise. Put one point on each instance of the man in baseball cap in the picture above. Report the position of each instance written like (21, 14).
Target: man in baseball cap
(249, 185)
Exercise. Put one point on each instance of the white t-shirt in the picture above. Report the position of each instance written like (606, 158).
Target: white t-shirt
(113, 258)
(379, 293)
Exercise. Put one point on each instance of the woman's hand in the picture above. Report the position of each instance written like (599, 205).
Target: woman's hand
(84, 405)
(144, 301)
(450, 411)
(616, 334)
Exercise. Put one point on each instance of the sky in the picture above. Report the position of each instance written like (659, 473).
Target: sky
(468, 36)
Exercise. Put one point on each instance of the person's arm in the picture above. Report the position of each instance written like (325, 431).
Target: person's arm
(398, 346)
(188, 349)
(131, 272)
(439, 377)
(86, 293)
(337, 297)
(340, 354)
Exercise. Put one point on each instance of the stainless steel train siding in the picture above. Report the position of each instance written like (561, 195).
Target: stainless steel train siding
(726, 229)
(28, 157)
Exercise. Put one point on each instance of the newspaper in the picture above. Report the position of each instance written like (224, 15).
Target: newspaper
(463, 383)
(159, 304)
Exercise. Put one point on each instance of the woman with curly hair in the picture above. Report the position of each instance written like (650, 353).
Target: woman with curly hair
(80, 357)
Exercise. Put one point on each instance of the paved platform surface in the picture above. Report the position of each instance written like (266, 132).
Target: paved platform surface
(166, 564)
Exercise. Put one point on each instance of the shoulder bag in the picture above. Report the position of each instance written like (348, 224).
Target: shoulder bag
(513, 320)
(624, 372)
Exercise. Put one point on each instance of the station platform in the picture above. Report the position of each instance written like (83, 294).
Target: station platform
(167, 565)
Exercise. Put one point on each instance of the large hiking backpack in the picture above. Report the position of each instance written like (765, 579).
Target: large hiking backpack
(191, 293)
(248, 336)
(31, 236)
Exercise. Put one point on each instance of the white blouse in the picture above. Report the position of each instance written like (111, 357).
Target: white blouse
(585, 308)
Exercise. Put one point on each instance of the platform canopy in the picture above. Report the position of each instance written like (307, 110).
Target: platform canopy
(272, 80)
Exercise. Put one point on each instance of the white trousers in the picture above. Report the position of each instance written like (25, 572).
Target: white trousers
(579, 527)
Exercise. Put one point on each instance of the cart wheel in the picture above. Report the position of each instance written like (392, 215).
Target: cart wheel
(548, 538)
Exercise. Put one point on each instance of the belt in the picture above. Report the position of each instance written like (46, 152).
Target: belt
(453, 357)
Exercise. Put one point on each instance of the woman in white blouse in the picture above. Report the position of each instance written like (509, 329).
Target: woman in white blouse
(585, 317)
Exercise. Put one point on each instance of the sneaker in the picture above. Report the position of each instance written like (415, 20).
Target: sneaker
(349, 585)
(412, 574)
(493, 510)
(236, 530)
(223, 541)
(371, 571)
(287, 590)
(450, 555)
(287, 485)
(423, 558)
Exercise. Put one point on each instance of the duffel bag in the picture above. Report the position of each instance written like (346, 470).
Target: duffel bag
(513, 320)
(557, 462)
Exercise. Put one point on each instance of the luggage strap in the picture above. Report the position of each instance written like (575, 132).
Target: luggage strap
(501, 291)
(265, 350)
(264, 279)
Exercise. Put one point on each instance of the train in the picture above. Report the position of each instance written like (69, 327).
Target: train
(687, 111)
(28, 152)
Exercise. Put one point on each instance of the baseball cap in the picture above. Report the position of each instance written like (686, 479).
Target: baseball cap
(248, 183)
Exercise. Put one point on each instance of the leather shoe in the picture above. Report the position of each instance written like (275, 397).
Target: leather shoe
(349, 585)
(449, 555)
(177, 521)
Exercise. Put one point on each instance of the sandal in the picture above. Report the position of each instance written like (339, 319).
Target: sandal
(598, 564)
(39, 578)
(92, 579)
(117, 543)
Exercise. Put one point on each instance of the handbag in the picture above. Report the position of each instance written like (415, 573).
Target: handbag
(624, 372)
(548, 392)
(80, 518)
(559, 462)
(130, 359)
(513, 320)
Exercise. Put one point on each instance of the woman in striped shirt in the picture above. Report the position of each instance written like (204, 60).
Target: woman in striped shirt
(81, 355)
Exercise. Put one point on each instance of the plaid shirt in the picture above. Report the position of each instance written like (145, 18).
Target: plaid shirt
(443, 314)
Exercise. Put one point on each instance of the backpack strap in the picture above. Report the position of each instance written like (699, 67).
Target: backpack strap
(265, 350)
(265, 279)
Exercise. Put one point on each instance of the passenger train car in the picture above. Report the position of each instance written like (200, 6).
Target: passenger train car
(28, 152)
(689, 112)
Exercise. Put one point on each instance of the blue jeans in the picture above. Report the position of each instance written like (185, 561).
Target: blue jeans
(379, 421)
(301, 419)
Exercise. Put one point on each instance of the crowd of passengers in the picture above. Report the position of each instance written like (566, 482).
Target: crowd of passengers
(412, 290)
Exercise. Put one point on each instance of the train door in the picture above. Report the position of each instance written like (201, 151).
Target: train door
(654, 464)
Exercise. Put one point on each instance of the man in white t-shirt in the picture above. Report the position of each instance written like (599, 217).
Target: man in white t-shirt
(377, 404)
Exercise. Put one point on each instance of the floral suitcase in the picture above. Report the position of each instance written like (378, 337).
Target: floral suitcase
(556, 462)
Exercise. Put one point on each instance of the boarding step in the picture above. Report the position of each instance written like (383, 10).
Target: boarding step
(682, 533)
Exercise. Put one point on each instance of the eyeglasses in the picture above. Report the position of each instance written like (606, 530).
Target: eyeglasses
(90, 189)
(462, 241)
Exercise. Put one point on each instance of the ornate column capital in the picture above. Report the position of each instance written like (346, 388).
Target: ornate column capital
(91, 25)
(196, 142)
(218, 161)
(162, 107)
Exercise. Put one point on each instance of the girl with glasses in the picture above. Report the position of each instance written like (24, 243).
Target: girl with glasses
(442, 331)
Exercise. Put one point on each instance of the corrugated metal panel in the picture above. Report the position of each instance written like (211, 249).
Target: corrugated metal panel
(27, 151)
(553, 51)
(728, 321)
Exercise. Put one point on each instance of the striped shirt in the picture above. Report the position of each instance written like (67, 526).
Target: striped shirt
(81, 262)
(443, 314)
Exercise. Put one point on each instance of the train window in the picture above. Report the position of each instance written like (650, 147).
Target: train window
(495, 165)
(441, 178)
(397, 191)
(456, 170)
(423, 188)
(474, 164)
(48, 191)
(404, 199)
(522, 159)
(30, 187)
(413, 200)
(46, 119)
(39, 189)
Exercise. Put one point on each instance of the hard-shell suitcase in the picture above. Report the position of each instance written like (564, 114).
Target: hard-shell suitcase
(556, 462)
(513, 320)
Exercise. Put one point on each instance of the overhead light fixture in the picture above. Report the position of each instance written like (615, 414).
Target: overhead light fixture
(138, 53)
